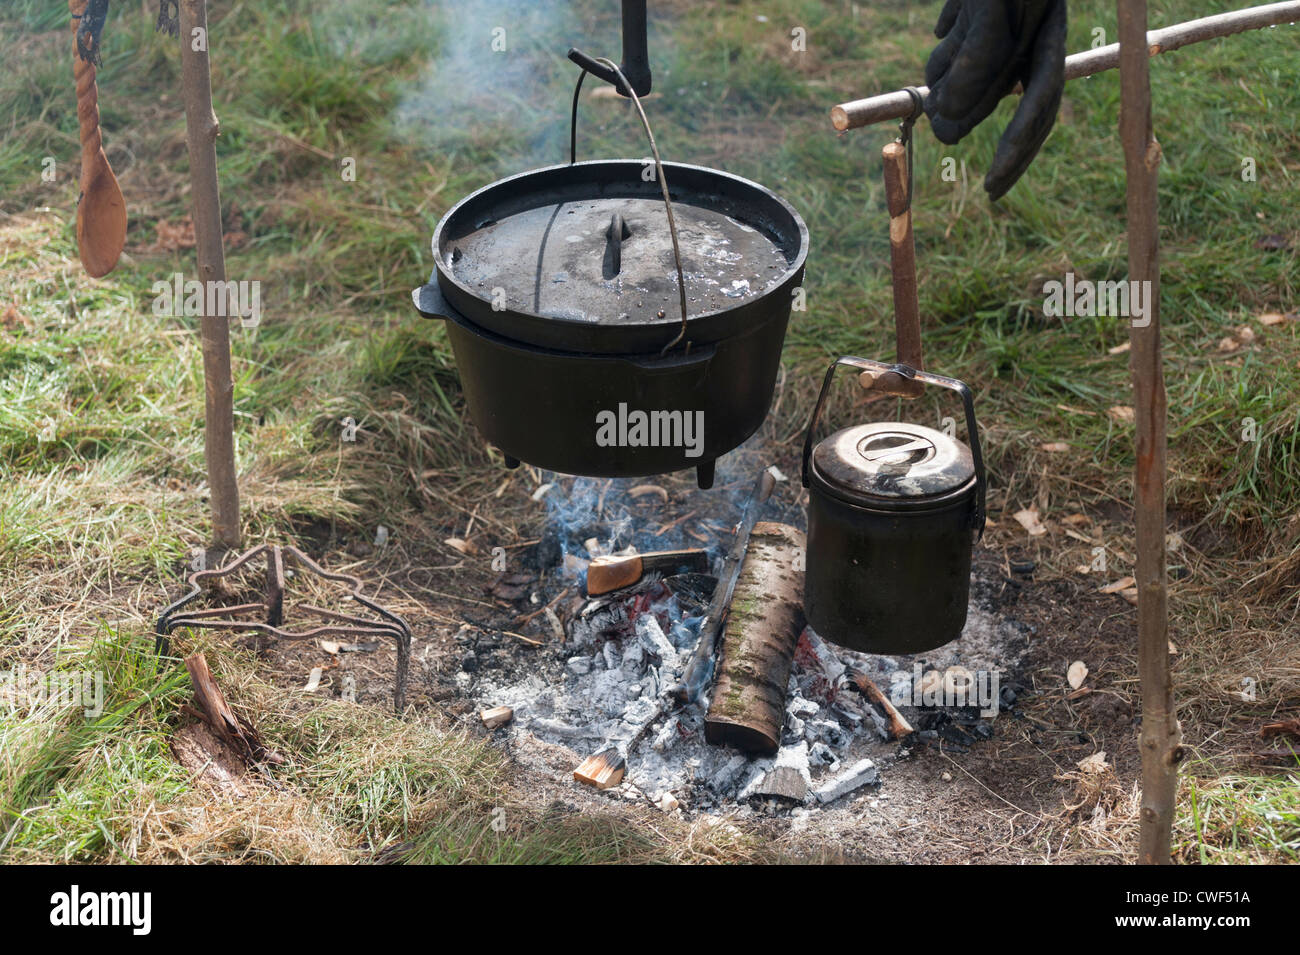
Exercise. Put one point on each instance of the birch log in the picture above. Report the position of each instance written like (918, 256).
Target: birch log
(747, 709)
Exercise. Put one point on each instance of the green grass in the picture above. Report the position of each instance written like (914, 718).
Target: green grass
(101, 464)
(1241, 819)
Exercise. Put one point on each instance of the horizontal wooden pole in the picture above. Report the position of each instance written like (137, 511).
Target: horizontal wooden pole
(898, 104)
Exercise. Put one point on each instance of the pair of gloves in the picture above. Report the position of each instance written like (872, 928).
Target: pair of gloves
(986, 47)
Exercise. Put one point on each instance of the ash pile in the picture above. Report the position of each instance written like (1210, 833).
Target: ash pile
(794, 726)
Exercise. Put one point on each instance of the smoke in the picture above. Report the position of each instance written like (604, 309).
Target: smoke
(497, 90)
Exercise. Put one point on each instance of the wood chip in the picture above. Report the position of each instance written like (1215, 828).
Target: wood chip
(1272, 318)
(1228, 344)
(330, 646)
(463, 546)
(1120, 348)
(313, 679)
(1076, 674)
(1055, 446)
(1116, 586)
(1028, 519)
(1122, 414)
(603, 770)
(496, 716)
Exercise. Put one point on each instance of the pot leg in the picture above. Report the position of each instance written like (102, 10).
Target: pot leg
(704, 474)
(511, 463)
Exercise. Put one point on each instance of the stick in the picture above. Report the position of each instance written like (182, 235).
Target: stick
(898, 725)
(902, 263)
(1160, 734)
(201, 131)
(896, 105)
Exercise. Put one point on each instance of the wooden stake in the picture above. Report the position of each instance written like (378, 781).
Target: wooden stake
(902, 264)
(201, 131)
(1160, 738)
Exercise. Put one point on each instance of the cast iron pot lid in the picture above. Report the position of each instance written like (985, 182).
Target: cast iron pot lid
(579, 257)
(899, 462)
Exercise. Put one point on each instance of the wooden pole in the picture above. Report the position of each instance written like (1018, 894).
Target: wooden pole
(1160, 737)
(896, 105)
(902, 266)
(201, 131)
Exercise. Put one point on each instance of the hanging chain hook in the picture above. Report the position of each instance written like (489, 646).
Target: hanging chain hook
(905, 132)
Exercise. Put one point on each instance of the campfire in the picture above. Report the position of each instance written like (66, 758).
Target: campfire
(786, 722)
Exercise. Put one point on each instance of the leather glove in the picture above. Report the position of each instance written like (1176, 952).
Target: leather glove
(985, 48)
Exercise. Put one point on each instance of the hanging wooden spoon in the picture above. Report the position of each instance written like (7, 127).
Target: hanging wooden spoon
(101, 210)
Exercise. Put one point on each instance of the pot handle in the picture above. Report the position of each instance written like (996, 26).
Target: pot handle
(929, 378)
(428, 299)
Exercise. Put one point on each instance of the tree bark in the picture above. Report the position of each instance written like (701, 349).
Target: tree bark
(1160, 736)
(747, 709)
(201, 131)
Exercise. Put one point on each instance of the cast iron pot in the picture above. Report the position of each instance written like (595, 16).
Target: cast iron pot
(556, 318)
(541, 405)
(894, 510)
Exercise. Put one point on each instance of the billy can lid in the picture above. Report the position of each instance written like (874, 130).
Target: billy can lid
(895, 460)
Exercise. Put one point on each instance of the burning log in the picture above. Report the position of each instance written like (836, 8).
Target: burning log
(766, 618)
(608, 573)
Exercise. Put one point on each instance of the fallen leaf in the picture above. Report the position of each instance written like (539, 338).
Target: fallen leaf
(1130, 594)
(1028, 519)
(330, 646)
(1245, 334)
(1076, 520)
(1076, 674)
(173, 236)
(1094, 764)
(313, 680)
(511, 586)
(12, 318)
(1229, 344)
(1116, 586)
(1120, 348)
(1272, 318)
(1122, 413)
(1082, 569)
(1055, 446)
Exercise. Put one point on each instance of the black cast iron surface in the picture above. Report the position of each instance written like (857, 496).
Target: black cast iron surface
(532, 257)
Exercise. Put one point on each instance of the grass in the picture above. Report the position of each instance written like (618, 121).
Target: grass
(101, 468)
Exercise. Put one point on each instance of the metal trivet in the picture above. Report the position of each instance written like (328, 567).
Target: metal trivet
(272, 610)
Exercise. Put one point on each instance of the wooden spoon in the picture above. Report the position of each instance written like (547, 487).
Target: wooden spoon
(101, 210)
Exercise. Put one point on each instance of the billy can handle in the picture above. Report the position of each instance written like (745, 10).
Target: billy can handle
(929, 378)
